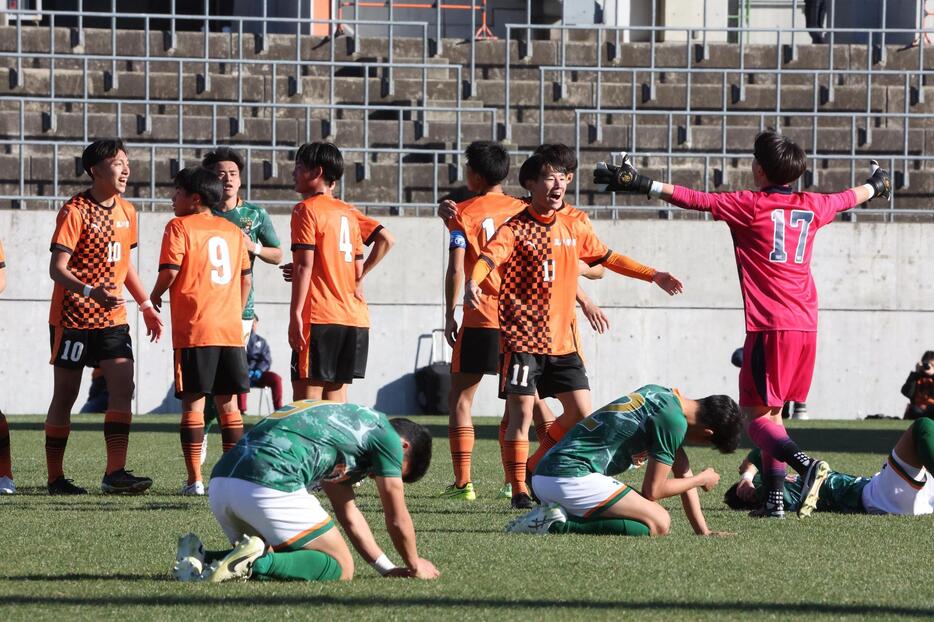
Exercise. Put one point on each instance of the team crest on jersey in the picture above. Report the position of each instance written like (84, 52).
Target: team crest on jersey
(246, 224)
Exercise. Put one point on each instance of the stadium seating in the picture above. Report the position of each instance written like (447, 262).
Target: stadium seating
(403, 116)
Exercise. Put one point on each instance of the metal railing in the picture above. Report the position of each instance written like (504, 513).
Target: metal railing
(164, 70)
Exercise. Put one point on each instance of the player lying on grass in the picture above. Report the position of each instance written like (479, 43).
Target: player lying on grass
(260, 496)
(904, 484)
(773, 229)
(536, 252)
(574, 480)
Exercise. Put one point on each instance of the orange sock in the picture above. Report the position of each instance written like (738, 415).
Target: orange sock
(191, 431)
(516, 454)
(56, 438)
(502, 447)
(461, 440)
(6, 467)
(554, 434)
(231, 429)
(541, 430)
(117, 437)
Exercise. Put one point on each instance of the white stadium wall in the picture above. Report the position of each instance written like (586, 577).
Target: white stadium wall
(877, 314)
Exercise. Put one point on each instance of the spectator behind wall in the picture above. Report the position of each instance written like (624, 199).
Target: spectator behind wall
(259, 360)
(919, 389)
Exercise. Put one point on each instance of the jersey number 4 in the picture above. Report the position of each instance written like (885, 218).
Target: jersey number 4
(344, 244)
(800, 219)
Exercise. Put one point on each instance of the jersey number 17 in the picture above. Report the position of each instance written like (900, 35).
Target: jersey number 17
(800, 219)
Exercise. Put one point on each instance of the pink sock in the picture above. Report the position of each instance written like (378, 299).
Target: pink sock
(771, 466)
(767, 436)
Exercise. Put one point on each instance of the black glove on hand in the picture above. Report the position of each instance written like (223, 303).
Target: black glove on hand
(624, 178)
(880, 181)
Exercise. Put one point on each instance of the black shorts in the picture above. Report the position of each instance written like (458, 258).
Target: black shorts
(524, 374)
(476, 351)
(333, 353)
(75, 348)
(215, 370)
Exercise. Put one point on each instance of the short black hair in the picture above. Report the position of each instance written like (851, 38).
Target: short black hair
(532, 168)
(203, 182)
(722, 415)
(419, 453)
(98, 151)
(222, 154)
(325, 155)
(563, 153)
(489, 160)
(735, 502)
(781, 159)
(927, 356)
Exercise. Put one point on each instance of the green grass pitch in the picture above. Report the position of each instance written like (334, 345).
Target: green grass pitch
(98, 557)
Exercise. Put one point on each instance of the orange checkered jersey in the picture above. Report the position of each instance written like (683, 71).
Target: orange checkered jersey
(99, 240)
(539, 282)
(478, 219)
(205, 298)
(330, 228)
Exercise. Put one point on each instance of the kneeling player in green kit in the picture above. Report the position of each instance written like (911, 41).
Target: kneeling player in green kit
(904, 485)
(574, 479)
(259, 493)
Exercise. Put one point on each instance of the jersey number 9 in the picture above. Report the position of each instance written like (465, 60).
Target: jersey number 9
(219, 256)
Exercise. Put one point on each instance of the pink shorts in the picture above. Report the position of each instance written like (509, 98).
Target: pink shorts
(777, 367)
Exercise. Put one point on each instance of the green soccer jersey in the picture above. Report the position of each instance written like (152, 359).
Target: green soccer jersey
(649, 421)
(307, 442)
(840, 492)
(255, 222)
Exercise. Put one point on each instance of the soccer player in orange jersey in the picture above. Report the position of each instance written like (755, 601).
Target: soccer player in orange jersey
(6, 468)
(328, 317)
(206, 268)
(539, 250)
(476, 343)
(95, 233)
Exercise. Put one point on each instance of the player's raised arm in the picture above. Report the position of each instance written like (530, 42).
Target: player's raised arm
(593, 252)
(400, 527)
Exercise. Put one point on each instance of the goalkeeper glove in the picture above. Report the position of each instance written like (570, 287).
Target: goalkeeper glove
(879, 180)
(623, 178)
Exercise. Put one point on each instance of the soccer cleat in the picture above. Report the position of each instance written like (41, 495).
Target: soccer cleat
(238, 564)
(189, 558)
(769, 510)
(7, 487)
(124, 482)
(521, 501)
(810, 487)
(505, 492)
(464, 493)
(539, 520)
(192, 490)
(62, 486)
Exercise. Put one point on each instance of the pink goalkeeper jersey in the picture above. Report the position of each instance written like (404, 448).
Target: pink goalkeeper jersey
(772, 232)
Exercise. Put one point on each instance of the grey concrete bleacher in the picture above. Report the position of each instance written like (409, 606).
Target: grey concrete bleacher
(691, 118)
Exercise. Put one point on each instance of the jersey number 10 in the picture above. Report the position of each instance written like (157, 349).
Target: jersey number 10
(799, 219)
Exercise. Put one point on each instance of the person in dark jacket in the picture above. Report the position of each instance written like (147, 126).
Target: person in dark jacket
(919, 389)
(259, 361)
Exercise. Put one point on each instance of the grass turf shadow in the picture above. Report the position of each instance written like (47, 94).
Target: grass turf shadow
(201, 600)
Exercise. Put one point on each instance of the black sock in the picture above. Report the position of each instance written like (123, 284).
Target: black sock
(775, 496)
(789, 452)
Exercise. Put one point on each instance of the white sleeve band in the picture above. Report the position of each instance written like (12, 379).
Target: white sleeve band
(748, 476)
(382, 565)
(656, 190)
(258, 248)
(86, 292)
(871, 188)
(146, 305)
